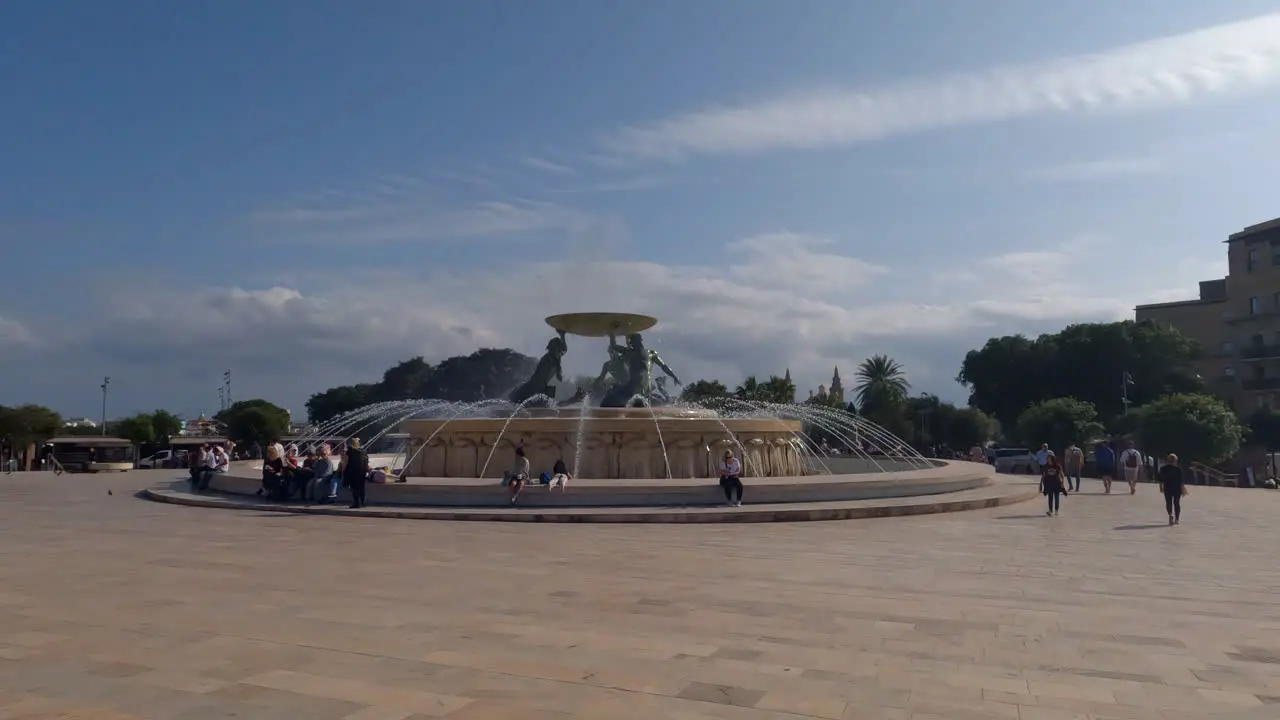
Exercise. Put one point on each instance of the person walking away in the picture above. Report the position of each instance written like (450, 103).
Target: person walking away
(1173, 484)
(1105, 458)
(1043, 455)
(1051, 484)
(1131, 460)
(355, 472)
(518, 475)
(731, 479)
(559, 476)
(1073, 465)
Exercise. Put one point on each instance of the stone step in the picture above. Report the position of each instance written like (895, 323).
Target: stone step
(1003, 492)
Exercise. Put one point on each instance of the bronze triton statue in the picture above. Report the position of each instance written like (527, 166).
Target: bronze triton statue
(548, 368)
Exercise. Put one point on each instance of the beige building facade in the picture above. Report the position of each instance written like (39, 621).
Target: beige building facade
(1236, 320)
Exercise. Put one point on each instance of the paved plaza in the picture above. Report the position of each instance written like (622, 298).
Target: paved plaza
(114, 608)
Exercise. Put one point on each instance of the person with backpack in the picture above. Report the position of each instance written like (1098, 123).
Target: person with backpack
(1072, 466)
(1051, 484)
(1131, 461)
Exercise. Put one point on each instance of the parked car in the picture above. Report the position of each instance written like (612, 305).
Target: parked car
(1015, 460)
(164, 459)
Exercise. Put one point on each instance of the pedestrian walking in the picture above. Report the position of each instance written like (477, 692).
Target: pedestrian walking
(1131, 459)
(1073, 465)
(1173, 484)
(1051, 484)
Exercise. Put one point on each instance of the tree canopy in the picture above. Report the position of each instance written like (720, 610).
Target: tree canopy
(1196, 427)
(485, 374)
(1058, 422)
(28, 424)
(148, 428)
(257, 420)
(703, 390)
(1088, 362)
(935, 422)
(774, 390)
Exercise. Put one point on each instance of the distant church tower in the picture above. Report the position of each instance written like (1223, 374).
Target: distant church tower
(836, 393)
(787, 375)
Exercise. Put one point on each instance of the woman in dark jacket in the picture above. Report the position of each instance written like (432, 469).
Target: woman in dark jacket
(1051, 484)
(1174, 485)
(355, 471)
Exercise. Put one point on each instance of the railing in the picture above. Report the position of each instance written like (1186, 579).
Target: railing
(1261, 383)
(1202, 474)
(1259, 352)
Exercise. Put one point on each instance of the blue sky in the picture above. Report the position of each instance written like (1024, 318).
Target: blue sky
(308, 192)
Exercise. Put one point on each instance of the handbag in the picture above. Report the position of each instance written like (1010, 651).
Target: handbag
(1185, 490)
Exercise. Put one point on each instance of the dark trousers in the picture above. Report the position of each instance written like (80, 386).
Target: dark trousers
(731, 484)
(1173, 503)
(1073, 479)
(1055, 499)
(357, 491)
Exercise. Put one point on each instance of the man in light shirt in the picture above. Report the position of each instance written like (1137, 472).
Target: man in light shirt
(731, 479)
(1131, 463)
(1043, 455)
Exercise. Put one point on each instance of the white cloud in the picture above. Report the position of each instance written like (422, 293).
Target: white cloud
(1089, 170)
(14, 334)
(1224, 59)
(776, 300)
(540, 163)
(415, 217)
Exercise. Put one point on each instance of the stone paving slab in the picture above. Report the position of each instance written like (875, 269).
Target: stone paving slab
(119, 608)
(1000, 493)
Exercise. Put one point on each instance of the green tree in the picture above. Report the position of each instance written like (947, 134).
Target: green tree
(405, 381)
(1194, 426)
(966, 427)
(324, 406)
(880, 379)
(1264, 428)
(1085, 361)
(486, 374)
(703, 390)
(774, 390)
(165, 425)
(26, 425)
(257, 420)
(137, 429)
(1058, 422)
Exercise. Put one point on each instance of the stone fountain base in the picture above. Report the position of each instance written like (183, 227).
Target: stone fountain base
(616, 443)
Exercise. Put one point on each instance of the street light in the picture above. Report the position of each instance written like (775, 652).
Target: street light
(105, 382)
(226, 380)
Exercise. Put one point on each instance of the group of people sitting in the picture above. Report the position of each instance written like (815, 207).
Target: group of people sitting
(207, 461)
(318, 476)
(518, 476)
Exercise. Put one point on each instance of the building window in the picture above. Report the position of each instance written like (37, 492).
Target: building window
(1257, 340)
(1251, 260)
(1229, 347)
(1275, 252)
(1228, 371)
(1264, 401)
(1259, 371)
(1255, 305)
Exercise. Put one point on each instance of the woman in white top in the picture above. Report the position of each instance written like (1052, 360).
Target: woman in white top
(731, 479)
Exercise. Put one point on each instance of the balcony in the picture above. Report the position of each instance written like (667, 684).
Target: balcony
(1262, 383)
(1259, 352)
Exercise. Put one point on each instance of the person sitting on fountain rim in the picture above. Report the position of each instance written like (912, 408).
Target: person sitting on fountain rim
(518, 475)
(731, 478)
(559, 476)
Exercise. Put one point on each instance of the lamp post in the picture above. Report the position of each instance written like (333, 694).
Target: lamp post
(105, 382)
(226, 381)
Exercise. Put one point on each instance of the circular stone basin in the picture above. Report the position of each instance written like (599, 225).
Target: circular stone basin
(601, 324)
(612, 443)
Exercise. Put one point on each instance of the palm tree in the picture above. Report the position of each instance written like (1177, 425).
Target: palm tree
(880, 377)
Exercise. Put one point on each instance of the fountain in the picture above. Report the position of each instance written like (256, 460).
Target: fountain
(628, 443)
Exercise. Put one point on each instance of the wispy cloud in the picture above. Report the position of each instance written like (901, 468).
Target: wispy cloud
(1223, 59)
(540, 163)
(382, 217)
(1088, 170)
